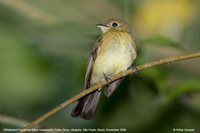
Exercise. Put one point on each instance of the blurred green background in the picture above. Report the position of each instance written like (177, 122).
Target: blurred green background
(45, 44)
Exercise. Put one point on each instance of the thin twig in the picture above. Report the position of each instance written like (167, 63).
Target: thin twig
(29, 10)
(12, 121)
(8, 120)
(103, 83)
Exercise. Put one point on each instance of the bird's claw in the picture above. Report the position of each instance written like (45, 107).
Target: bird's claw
(107, 78)
(135, 69)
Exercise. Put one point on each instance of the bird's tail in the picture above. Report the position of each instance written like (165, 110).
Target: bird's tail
(86, 106)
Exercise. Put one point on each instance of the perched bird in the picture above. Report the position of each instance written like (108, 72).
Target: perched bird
(114, 52)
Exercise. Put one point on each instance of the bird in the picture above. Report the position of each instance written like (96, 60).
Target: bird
(113, 52)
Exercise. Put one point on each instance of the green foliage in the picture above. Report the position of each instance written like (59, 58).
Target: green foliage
(43, 57)
(162, 41)
(190, 86)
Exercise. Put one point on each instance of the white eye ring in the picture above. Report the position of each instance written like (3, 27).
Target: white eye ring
(114, 25)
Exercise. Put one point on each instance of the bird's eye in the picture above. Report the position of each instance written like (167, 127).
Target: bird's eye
(114, 25)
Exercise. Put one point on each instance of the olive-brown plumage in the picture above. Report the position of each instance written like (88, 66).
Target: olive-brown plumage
(114, 52)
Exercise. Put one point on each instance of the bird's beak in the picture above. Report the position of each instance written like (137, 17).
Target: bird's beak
(102, 27)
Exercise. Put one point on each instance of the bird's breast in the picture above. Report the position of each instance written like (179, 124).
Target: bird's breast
(116, 54)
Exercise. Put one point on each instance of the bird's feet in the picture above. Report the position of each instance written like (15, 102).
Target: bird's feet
(135, 69)
(107, 78)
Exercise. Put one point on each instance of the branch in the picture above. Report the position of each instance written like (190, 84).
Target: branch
(12, 121)
(31, 11)
(100, 85)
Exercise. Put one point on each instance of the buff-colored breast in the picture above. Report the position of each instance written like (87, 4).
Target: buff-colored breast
(116, 54)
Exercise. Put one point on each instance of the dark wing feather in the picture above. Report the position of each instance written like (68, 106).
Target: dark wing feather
(86, 106)
(91, 61)
(112, 87)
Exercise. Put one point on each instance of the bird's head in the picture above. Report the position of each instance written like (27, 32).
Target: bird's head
(113, 25)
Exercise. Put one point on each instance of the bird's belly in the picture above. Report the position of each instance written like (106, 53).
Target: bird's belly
(111, 62)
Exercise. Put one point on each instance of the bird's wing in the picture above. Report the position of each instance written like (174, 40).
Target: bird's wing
(91, 61)
(86, 106)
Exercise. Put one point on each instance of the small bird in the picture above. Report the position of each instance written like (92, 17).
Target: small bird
(113, 52)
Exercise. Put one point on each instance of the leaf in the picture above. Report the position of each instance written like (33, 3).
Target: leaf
(159, 40)
(186, 87)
